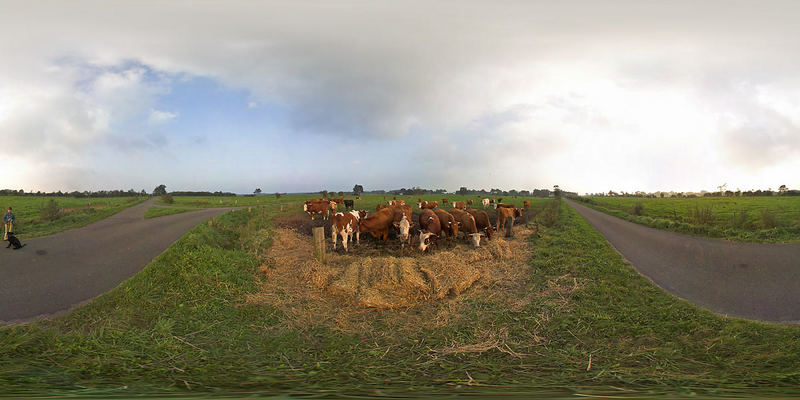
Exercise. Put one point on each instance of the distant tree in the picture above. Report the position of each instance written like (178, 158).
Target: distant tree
(160, 190)
(341, 194)
(782, 189)
(358, 189)
(167, 199)
(257, 191)
(324, 194)
(277, 195)
(143, 193)
(462, 190)
(557, 190)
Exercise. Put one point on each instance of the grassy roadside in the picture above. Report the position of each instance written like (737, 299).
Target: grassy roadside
(69, 213)
(785, 224)
(183, 324)
(154, 212)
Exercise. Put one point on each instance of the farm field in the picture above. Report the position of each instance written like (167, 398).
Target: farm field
(69, 213)
(756, 219)
(155, 212)
(203, 317)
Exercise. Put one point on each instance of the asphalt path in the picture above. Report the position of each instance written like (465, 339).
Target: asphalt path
(750, 280)
(56, 273)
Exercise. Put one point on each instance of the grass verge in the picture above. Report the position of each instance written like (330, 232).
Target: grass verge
(154, 212)
(579, 320)
(736, 229)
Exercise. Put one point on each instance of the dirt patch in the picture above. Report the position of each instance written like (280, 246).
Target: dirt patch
(350, 286)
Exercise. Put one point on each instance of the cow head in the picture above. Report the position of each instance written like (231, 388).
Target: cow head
(489, 229)
(403, 227)
(517, 212)
(305, 206)
(475, 239)
(362, 214)
(426, 239)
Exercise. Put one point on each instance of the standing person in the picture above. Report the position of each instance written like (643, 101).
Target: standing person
(8, 223)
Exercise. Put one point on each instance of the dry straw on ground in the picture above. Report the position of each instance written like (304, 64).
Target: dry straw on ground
(349, 286)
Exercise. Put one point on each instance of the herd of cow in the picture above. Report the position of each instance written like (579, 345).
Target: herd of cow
(433, 222)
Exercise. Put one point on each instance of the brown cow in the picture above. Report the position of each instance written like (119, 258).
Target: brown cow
(460, 204)
(482, 221)
(448, 223)
(345, 224)
(444, 201)
(503, 213)
(428, 204)
(469, 202)
(499, 199)
(402, 221)
(526, 204)
(397, 202)
(429, 229)
(377, 224)
(321, 207)
(466, 223)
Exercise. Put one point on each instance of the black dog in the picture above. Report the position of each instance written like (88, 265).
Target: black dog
(13, 241)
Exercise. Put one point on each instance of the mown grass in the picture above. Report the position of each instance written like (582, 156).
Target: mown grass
(750, 219)
(154, 212)
(581, 321)
(71, 212)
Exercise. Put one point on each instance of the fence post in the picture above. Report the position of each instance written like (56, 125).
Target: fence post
(319, 243)
(509, 225)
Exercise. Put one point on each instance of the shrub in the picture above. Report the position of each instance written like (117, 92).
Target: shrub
(638, 209)
(167, 199)
(701, 216)
(277, 195)
(50, 211)
(767, 220)
(740, 219)
(549, 215)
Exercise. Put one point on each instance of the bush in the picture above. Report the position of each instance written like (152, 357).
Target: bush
(167, 199)
(740, 219)
(638, 209)
(767, 220)
(549, 215)
(701, 216)
(50, 211)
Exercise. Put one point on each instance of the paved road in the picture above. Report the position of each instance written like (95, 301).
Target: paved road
(53, 274)
(750, 280)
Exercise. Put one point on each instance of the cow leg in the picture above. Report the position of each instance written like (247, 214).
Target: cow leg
(333, 237)
(344, 240)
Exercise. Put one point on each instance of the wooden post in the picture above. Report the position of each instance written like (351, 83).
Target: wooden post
(319, 243)
(509, 225)
(281, 207)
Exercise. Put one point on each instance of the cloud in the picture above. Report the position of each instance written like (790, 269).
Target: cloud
(513, 86)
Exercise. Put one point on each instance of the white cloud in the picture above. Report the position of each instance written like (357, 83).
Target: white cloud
(586, 94)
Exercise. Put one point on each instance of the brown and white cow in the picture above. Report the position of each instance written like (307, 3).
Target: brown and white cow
(466, 223)
(402, 221)
(397, 202)
(429, 229)
(482, 222)
(428, 204)
(346, 224)
(318, 207)
(485, 202)
(444, 201)
(460, 204)
(469, 202)
(378, 224)
(448, 223)
(503, 213)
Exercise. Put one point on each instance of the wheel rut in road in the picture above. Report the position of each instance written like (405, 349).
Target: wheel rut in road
(56, 273)
(750, 280)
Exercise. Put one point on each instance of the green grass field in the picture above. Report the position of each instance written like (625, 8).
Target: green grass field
(155, 212)
(761, 219)
(74, 213)
(581, 321)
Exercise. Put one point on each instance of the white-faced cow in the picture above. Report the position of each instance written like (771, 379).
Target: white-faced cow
(429, 229)
(466, 223)
(485, 203)
(482, 222)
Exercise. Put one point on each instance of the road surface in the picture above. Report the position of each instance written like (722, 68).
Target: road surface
(750, 280)
(56, 273)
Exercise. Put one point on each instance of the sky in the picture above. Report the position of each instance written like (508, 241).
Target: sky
(299, 96)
